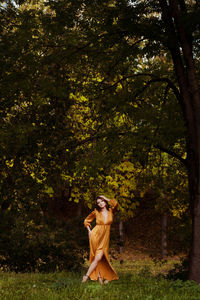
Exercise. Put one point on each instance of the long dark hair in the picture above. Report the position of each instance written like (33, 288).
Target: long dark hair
(97, 206)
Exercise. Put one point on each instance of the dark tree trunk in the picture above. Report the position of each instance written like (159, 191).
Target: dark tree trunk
(184, 66)
(79, 210)
(121, 236)
(194, 186)
(164, 236)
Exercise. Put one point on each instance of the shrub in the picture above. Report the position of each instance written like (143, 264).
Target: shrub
(180, 271)
(44, 246)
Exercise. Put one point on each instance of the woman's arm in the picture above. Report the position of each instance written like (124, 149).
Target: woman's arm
(113, 203)
(89, 231)
(103, 197)
(88, 220)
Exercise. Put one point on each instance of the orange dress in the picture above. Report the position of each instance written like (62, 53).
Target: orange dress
(99, 241)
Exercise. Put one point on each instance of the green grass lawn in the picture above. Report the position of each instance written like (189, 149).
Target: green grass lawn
(139, 280)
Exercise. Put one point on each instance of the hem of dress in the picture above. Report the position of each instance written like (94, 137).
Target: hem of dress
(105, 279)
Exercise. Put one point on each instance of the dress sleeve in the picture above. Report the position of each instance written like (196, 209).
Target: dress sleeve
(89, 219)
(113, 203)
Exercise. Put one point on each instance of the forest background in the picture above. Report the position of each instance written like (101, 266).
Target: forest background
(98, 98)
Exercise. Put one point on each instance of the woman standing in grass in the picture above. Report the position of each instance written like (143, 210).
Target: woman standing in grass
(100, 267)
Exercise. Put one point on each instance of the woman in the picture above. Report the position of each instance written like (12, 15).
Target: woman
(100, 267)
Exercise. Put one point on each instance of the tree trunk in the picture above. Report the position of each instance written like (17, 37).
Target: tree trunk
(180, 46)
(164, 236)
(194, 186)
(79, 210)
(121, 236)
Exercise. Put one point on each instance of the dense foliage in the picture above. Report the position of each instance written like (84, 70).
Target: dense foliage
(90, 103)
(42, 244)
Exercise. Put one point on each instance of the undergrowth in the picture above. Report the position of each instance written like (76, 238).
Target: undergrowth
(141, 281)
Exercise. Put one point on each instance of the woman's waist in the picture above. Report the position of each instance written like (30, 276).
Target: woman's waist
(102, 224)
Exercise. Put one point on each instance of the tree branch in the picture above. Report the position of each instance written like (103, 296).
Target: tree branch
(170, 85)
(172, 153)
(164, 79)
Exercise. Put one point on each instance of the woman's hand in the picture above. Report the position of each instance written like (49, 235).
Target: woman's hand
(106, 199)
(89, 231)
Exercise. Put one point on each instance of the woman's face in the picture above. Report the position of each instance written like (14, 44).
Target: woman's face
(101, 203)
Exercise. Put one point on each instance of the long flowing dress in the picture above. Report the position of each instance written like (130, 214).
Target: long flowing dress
(99, 241)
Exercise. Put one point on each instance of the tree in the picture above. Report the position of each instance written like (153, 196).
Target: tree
(37, 137)
(118, 53)
(133, 32)
(180, 38)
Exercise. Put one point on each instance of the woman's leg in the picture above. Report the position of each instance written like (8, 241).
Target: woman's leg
(93, 266)
(100, 279)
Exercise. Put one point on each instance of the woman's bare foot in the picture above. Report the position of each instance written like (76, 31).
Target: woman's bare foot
(106, 281)
(85, 278)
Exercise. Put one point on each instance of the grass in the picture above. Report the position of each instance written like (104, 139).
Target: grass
(139, 280)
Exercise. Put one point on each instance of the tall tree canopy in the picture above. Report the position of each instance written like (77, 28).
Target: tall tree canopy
(134, 63)
(127, 38)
